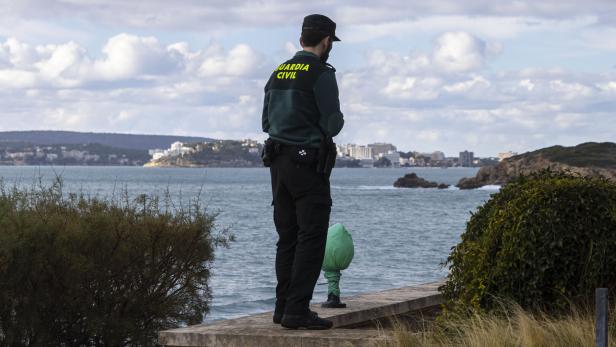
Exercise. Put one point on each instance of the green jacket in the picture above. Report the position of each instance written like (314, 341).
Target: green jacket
(299, 94)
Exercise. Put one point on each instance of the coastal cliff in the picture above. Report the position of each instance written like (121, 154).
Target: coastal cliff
(587, 159)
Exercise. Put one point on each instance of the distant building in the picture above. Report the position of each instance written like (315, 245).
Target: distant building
(466, 159)
(437, 156)
(75, 154)
(341, 151)
(392, 156)
(91, 157)
(185, 150)
(20, 155)
(505, 155)
(359, 152)
(177, 149)
(250, 143)
(381, 148)
(419, 160)
(40, 152)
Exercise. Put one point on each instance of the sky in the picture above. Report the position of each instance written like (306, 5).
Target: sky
(448, 75)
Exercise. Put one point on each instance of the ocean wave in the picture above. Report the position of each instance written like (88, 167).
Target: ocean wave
(364, 187)
(490, 187)
(451, 187)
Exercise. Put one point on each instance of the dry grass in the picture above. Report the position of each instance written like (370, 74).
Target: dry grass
(517, 329)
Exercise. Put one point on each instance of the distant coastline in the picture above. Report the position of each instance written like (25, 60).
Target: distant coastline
(587, 159)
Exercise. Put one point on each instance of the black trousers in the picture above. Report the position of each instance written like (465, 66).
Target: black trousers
(302, 205)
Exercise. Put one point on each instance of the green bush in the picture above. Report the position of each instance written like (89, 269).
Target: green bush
(545, 241)
(78, 270)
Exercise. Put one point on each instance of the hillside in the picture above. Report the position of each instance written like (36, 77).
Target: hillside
(588, 159)
(219, 153)
(27, 153)
(128, 141)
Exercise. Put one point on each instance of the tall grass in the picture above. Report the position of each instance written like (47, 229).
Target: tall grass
(518, 328)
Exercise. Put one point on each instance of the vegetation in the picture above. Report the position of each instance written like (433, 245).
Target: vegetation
(127, 141)
(545, 241)
(525, 271)
(515, 328)
(220, 153)
(225, 151)
(382, 162)
(348, 162)
(25, 153)
(79, 270)
(585, 154)
(588, 159)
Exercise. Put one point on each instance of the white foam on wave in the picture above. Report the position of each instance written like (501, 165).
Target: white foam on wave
(490, 187)
(451, 187)
(376, 187)
(365, 187)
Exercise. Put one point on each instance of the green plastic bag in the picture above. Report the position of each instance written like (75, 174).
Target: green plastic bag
(339, 252)
(339, 249)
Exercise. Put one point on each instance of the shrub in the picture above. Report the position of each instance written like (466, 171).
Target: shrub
(545, 241)
(77, 270)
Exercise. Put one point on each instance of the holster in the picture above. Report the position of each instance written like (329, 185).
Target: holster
(269, 151)
(326, 156)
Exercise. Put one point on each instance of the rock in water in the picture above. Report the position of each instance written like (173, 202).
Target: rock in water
(413, 181)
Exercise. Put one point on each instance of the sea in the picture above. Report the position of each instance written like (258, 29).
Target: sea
(402, 236)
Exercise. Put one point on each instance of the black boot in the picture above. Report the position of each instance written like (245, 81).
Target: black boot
(333, 301)
(278, 316)
(310, 321)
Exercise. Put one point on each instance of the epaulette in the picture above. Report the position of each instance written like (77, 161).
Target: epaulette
(330, 66)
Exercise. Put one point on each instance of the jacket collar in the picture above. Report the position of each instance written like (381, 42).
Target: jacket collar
(306, 54)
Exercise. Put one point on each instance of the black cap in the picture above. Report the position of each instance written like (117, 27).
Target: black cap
(320, 23)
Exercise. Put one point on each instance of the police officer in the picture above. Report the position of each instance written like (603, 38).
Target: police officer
(301, 113)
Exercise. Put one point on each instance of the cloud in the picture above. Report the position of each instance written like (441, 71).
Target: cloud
(137, 84)
(468, 104)
(125, 58)
(18, 54)
(412, 88)
(200, 15)
(17, 79)
(475, 82)
(450, 68)
(241, 60)
(449, 94)
(290, 48)
(458, 52)
(128, 56)
(68, 65)
(429, 135)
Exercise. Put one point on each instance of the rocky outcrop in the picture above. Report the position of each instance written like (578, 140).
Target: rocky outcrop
(413, 181)
(588, 159)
